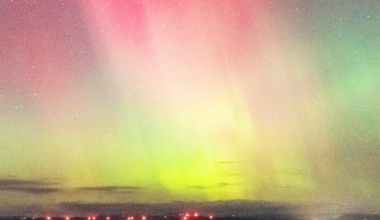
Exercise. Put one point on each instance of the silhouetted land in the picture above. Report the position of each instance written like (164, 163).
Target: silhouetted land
(351, 216)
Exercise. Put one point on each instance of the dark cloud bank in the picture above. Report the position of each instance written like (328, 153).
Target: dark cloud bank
(28, 186)
(38, 187)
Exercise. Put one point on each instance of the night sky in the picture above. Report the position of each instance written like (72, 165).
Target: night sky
(119, 101)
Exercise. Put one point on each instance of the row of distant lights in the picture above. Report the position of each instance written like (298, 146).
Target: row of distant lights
(131, 218)
(94, 218)
(196, 215)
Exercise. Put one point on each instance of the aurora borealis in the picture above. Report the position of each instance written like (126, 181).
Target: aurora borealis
(148, 101)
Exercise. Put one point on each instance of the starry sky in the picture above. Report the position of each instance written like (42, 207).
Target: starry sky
(147, 101)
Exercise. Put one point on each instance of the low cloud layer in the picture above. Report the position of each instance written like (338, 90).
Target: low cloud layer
(219, 185)
(28, 186)
(37, 187)
(110, 189)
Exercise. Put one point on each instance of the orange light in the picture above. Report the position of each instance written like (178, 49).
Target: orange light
(129, 218)
(143, 217)
(185, 217)
(196, 214)
(211, 217)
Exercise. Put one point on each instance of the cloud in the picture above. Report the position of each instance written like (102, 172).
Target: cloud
(21, 183)
(219, 185)
(28, 186)
(43, 187)
(31, 190)
(229, 184)
(110, 189)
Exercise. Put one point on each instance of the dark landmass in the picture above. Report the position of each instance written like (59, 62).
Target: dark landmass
(220, 210)
(350, 216)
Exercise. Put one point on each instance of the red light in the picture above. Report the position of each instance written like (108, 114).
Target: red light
(143, 217)
(67, 218)
(187, 214)
(132, 217)
(93, 218)
(185, 217)
(211, 217)
(108, 218)
(48, 218)
(89, 218)
(196, 214)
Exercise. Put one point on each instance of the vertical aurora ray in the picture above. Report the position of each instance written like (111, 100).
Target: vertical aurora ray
(189, 104)
(193, 100)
